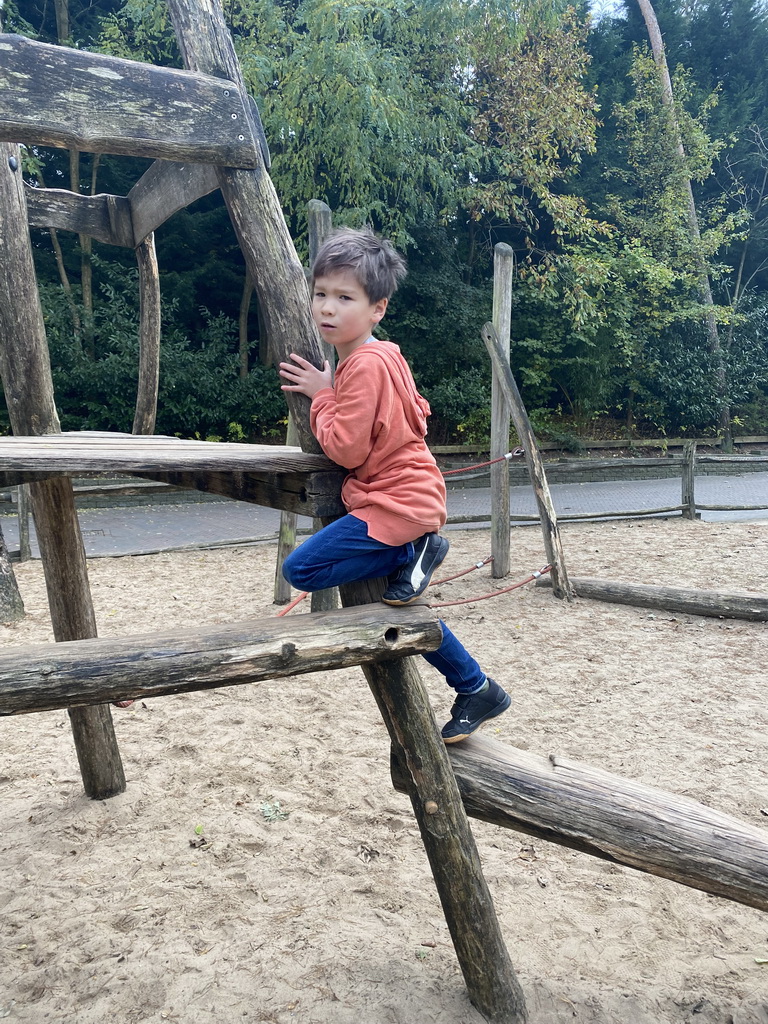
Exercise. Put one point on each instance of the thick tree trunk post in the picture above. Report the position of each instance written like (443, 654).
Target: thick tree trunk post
(26, 375)
(688, 499)
(149, 338)
(319, 226)
(503, 269)
(552, 545)
(242, 323)
(286, 540)
(11, 604)
(704, 286)
(22, 511)
(253, 205)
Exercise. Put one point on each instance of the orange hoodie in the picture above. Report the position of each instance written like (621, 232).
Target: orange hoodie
(373, 422)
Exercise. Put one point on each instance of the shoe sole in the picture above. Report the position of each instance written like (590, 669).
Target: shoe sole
(394, 603)
(491, 714)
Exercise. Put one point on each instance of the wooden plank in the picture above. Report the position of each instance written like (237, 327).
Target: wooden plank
(503, 272)
(103, 217)
(73, 99)
(690, 601)
(615, 819)
(26, 375)
(164, 189)
(534, 461)
(86, 672)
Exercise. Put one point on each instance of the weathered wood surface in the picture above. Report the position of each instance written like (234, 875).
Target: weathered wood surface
(73, 99)
(308, 494)
(688, 481)
(26, 376)
(165, 188)
(50, 676)
(591, 810)
(149, 338)
(547, 515)
(11, 603)
(103, 217)
(713, 603)
(503, 272)
(286, 540)
(93, 451)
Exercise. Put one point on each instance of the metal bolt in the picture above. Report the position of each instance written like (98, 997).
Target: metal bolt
(13, 163)
(431, 807)
(241, 138)
(226, 92)
(234, 117)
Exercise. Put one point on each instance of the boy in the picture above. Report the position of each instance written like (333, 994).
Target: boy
(373, 421)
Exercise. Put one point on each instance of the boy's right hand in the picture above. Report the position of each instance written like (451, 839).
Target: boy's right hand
(304, 377)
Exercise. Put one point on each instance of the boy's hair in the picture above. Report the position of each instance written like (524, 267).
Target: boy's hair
(377, 265)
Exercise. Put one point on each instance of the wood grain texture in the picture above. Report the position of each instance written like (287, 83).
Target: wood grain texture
(149, 337)
(86, 672)
(103, 217)
(591, 810)
(165, 188)
(503, 271)
(73, 99)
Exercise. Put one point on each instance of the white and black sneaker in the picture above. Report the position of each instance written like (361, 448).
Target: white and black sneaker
(413, 579)
(472, 709)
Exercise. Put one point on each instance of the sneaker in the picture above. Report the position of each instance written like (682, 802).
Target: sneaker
(413, 579)
(472, 709)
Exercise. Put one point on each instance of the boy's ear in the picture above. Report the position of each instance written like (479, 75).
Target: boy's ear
(380, 309)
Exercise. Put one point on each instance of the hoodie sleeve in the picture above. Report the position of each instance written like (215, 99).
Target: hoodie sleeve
(347, 420)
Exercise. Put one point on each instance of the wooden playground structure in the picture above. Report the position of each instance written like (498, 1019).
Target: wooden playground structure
(123, 107)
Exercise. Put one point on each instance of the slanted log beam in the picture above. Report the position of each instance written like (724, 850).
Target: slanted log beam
(590, 810)
(86, 672)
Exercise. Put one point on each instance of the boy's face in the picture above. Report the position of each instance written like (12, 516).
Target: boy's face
(343, 312)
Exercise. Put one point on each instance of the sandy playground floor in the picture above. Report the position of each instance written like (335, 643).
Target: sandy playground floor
(310, 898)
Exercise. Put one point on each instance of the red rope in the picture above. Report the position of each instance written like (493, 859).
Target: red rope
(477, 565)
(496, 593)
(292, 605)
(479, 465)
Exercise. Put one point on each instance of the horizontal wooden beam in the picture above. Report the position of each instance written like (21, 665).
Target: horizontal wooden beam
(103, 217)
(307, 494)
(593, 811)
(715, 603)
(85, 672)
(57, 96)
(164, 189)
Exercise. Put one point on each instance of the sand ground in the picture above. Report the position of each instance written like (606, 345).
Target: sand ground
(310, 898)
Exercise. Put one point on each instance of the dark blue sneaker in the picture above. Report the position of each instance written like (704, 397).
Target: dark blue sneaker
(472, 709)
(413, 579)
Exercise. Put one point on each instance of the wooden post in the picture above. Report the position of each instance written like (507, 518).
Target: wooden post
(26, 376)
(320, 225)
(503, 269)
(149, 337)
(688, 499)
(253, 205)
(286, 540)
(22, 511)
(552, 545)
(11, 604)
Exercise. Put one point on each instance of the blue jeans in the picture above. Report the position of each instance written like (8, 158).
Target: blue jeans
(344, 553)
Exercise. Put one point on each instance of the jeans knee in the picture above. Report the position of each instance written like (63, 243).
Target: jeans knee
(292, 571)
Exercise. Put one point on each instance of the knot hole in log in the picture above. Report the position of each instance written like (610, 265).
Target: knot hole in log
(391, 635)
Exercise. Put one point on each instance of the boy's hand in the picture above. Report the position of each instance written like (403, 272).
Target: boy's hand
(304, 377)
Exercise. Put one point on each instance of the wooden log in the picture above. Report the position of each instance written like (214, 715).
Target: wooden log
(712, 603)
(23, 510)
(26, 375)
(50, 676)
(103, 217)
(552, 544)
(286, 540)
(503, 271)
(149, 337)
(164, 189)
(591, 810)
(688, 481)
(73, 99)
(310, 494)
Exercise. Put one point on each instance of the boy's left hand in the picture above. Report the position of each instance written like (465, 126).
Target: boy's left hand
(304, 377)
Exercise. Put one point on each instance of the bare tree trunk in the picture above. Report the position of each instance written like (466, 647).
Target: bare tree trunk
(245, 305)
(704, 286)
(11, 604)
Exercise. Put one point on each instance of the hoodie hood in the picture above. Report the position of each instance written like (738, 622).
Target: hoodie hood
(416, 407)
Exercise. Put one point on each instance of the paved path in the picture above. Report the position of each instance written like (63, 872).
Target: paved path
(152, 528)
